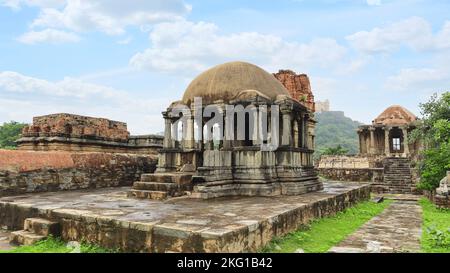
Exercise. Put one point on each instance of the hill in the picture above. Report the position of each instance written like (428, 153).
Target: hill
(333, 129)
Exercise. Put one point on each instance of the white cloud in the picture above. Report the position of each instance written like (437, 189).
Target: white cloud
(184, 46)
(125, 41)
(109, 16)
(51, 36)
(17, 4)
(374, 2)
(23, 97)
(414, 32)
(416, 79)
(69, 87)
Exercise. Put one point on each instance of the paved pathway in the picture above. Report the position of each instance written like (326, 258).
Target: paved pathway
(396, 229)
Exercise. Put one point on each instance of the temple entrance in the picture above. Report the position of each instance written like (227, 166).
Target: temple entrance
(396, 143)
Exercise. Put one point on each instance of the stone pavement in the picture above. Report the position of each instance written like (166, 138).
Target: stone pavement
(4, 240)
(396, 229)
(233, 224)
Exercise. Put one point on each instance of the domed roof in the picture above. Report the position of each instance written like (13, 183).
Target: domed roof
(395, 115)
(227, 81)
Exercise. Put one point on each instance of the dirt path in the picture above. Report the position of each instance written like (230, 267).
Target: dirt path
(397, 229)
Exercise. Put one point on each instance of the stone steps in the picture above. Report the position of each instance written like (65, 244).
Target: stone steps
(35, 229)
(159, 186)
(397, 177)
(143, 194)
(23, 237)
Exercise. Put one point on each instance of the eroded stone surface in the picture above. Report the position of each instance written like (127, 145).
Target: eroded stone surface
(4, 240)
(107, 217)
(396, 229)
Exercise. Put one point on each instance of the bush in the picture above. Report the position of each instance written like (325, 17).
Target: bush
(434, 133)
(9, 133)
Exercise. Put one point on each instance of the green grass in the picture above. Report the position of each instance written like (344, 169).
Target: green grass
(55, 245)
(322, 234)
(438, 222)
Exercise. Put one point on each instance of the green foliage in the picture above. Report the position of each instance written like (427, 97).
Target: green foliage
(434, 132)
(322, 234)
(56, 245)
(333, 128)
(9, 133)
(436, 234)
(338, 150)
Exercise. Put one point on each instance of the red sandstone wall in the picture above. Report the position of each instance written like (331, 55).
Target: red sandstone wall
(21, 161)
(27, 171)
(299, 87)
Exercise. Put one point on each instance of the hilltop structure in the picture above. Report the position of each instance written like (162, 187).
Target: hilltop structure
(322, 106)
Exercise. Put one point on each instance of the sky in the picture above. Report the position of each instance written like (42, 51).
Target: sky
(127, 60)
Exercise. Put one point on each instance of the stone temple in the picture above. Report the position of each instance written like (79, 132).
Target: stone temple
(388, 133)
(231, 165)
(386, 156)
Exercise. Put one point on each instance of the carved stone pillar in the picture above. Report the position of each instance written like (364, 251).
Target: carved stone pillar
(387, 148)
(188, 135)
(229, 134)
(405, 141)
(372, 140)
(287, 129)
(296, 133)
(256, 139)
(167, 143)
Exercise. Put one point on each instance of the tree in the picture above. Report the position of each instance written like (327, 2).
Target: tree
(338, 150)
(434, 133)
(9, 133)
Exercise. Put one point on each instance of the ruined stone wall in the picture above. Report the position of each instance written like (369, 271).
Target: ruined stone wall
(75, 126)
(352, 174)
(299, 87)
(351, 168)
(74, 133)
(27, 171)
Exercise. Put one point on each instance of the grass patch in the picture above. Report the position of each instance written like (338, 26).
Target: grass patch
(322, 234)
(436, 228)
(56, 245)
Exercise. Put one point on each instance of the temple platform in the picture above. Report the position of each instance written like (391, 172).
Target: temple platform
(234, 224)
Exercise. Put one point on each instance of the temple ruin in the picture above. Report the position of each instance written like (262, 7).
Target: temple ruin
(232, 166)
(263, 150)
(386, 156)
(388, 134)
(75, 133)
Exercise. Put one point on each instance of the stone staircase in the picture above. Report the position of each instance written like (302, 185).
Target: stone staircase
(159, 186)
(34, 230)
(397, 177)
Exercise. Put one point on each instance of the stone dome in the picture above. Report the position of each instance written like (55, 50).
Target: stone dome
(227, 81)
(395, 115)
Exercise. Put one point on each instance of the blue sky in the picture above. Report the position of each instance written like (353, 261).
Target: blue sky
(129, 61)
